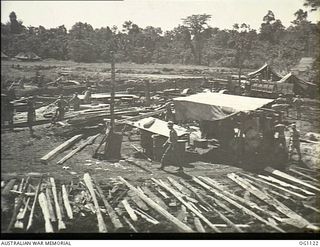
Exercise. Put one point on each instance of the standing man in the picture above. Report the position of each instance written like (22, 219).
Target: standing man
(61, 104)
(294, 142)
(87, 96)
(31, 113)
(76, 102)
(279, 130)
(298, 103)
(172, 149)
(169, 114)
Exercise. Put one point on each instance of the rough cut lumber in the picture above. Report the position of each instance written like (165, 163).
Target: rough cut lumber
(45, 211)
(89, 141)
(181, 188)
(292, 179)
(21, 215)
(183, 227)
(154, 197)
(236, 204)
(298, 221)
(129, 210)
(136, 199)
(66, 202)
(310, 207)
(129, 224)
(67, 144)
(88, 182)
(61, 224)
(8, 187)
(30, 221)
(50, 205)
(146, 217)
(198, 225)
(285, 184)
(275, 186)
(19, 193)
(304, 175)
(233, 196)
(112, 214)
(191, 208)
(182, 214)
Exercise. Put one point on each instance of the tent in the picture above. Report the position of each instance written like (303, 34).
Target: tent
(4, 56)
(215, 106)
(28, 56)
(265, 73)
(298, 86)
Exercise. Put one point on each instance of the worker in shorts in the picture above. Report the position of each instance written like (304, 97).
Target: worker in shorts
(171, 151)
(294, 143)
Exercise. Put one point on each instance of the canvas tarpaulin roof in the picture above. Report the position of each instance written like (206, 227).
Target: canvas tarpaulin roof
(157, 126)
(214, 106)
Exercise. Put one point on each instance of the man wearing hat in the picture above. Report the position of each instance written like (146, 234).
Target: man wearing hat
(298, 101)
(172, 149)
(294, 142)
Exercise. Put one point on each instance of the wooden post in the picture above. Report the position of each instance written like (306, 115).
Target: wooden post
(113, 75)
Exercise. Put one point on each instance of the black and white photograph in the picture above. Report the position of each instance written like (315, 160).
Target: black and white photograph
(160, 117)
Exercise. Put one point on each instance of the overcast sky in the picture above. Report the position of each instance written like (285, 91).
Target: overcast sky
(166, 14)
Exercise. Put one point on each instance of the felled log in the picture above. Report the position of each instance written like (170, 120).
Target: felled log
(61, 224)
(89, 141)
(146, 217)
(102, 226)
(45, 211)
(159, 209)
(60, 148)
(112, 214)
(291, 178)
(66, 202)
(236, 204)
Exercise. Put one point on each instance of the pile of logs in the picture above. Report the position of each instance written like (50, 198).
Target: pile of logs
(201, 204)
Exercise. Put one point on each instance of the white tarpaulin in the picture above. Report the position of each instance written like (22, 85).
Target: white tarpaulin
(157, 126)
(214, 106)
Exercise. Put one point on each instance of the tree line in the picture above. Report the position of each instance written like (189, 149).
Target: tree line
(193, 41)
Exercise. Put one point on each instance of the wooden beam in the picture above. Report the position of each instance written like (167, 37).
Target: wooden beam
(181, 188)
(275, 186)
(62, 147)
(66, 202)
(298, 221)
(146, 217)
(192, 209)
(50, 205)
(102, 226)
(8, 187)
(45, 211)
(304, 175)
(129, 224)
(236, 204)
(129, 210)
(112, 214)
(290, 178)
(89, 141)
(198, 225)
(183, 227)
(30, 221)
(285, 184)
(154, 197)
(61, 224)
(136, 199)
